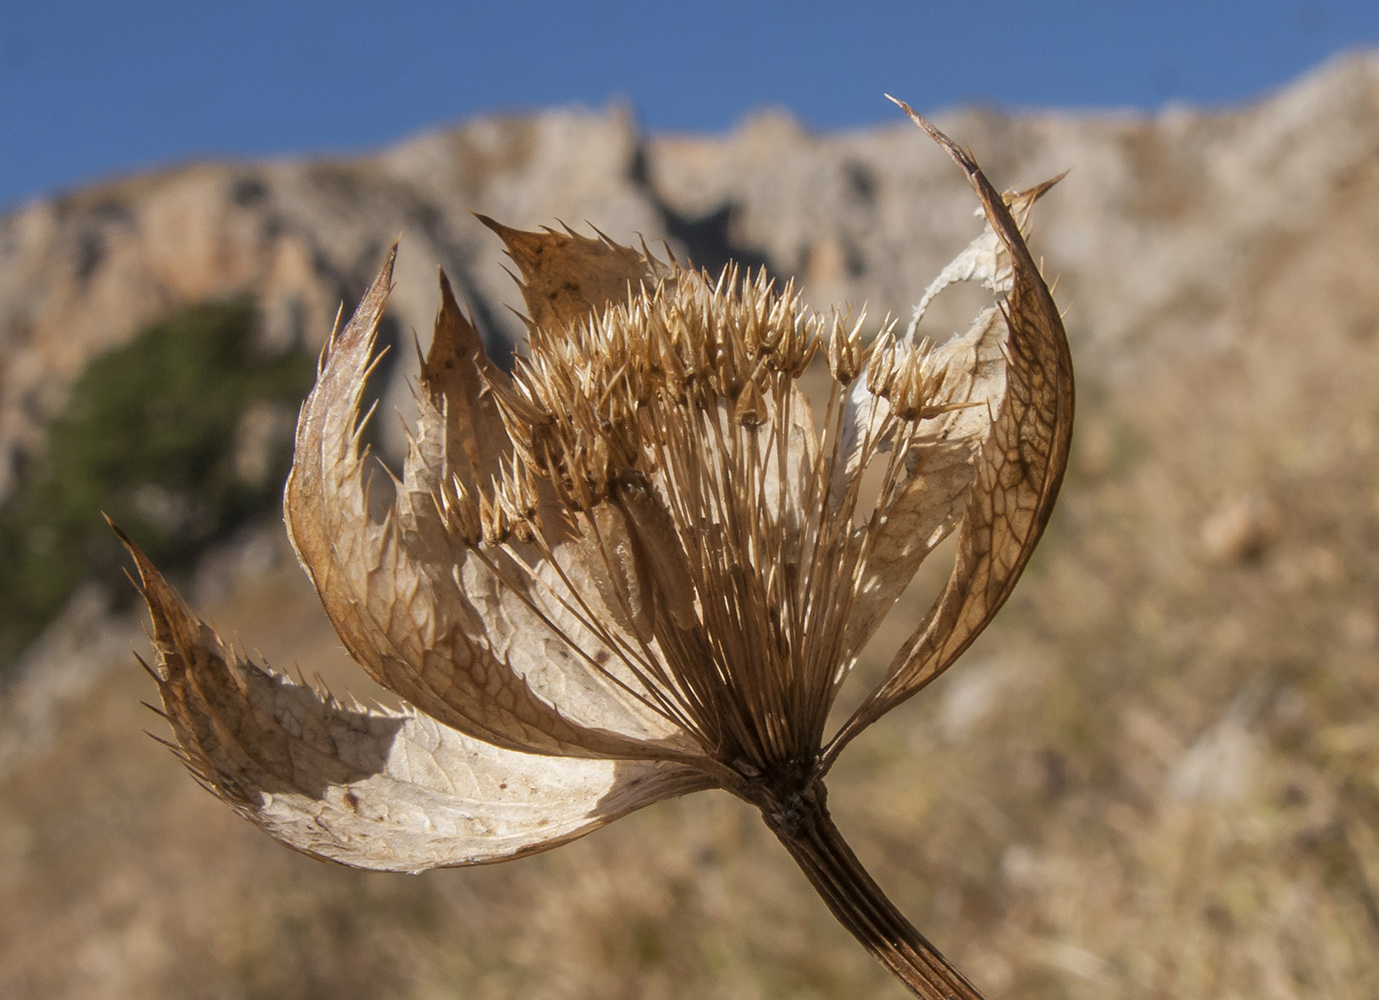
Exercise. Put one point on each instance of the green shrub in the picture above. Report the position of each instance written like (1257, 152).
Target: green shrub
(149, 438)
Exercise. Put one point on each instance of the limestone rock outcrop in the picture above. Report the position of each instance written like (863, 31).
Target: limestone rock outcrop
(1160, 219)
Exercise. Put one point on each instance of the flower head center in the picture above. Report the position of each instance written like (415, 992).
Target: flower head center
(666, 449)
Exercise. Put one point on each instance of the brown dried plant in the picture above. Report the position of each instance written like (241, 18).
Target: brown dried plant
(637, 566)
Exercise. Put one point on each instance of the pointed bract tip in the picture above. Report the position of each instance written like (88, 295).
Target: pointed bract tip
(449, 304)
(961, 156)
(140, 560)
(153, 587)
(385, 273)
(491, 223)
(1039, 190)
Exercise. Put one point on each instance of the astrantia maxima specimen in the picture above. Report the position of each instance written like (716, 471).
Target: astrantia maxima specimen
(641, 564)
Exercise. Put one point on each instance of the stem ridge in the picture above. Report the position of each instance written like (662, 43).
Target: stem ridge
(801, 821)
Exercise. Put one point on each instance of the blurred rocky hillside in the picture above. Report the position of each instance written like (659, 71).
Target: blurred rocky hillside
(1156, 776)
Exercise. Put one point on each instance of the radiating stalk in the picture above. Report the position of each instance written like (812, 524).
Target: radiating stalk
(802, 823)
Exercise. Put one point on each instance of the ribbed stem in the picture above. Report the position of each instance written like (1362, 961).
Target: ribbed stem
(803, 825)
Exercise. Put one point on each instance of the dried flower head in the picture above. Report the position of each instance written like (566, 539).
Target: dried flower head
(640, 565)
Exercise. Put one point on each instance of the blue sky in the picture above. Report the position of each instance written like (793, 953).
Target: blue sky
(90, 89)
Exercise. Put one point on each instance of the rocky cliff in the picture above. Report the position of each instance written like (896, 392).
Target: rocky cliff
(1190, 198)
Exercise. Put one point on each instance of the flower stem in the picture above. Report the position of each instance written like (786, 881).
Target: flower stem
(803, 825)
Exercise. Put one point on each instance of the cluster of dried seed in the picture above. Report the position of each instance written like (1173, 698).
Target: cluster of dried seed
(730, 537)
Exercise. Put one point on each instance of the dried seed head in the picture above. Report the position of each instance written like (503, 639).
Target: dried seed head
(493, 517)
(461, 513)
(913, 381)
(726, 548)
(881, 364)
(637, 566)
(750, 408)
(845, 348)
(644, 548)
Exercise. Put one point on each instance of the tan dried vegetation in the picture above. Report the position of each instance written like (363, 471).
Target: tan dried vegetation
(635, 568)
